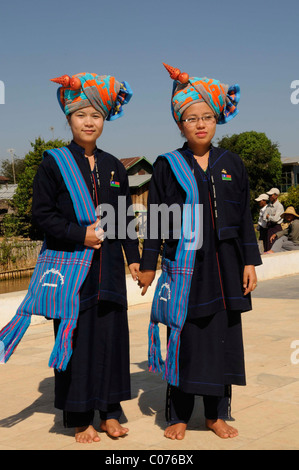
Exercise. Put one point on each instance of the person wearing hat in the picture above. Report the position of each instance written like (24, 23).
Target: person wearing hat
(287, 239)
(262, 199)
(273, 216)
(208, 268)
(80, 276)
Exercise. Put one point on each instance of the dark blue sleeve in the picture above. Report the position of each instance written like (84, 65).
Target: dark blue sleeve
(48, 183)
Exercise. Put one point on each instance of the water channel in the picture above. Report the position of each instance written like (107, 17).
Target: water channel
(14, 285)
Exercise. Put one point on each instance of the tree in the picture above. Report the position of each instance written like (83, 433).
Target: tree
(291, 198)
(7, 171)
(262, 160)
(22, 200)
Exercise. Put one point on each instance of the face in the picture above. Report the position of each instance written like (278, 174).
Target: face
(199, 133)
(289, 217)
(273, 198)
(263, 203)
(86, 125)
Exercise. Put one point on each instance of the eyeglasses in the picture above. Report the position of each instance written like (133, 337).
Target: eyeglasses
(208, 119)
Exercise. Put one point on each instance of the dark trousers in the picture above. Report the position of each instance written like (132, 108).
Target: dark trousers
(263, 237)
(274, 228)
(179, 405)
(74, 419)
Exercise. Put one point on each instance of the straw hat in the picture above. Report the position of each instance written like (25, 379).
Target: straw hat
(291, 210)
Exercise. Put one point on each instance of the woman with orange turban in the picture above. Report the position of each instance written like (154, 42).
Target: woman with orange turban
(96, 376)
(205, 285)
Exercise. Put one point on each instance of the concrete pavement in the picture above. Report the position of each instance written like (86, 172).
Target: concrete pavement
(266, 411)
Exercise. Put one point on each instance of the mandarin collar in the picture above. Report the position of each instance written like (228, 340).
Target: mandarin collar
(189, 152)
(190, 155)
(78, 149)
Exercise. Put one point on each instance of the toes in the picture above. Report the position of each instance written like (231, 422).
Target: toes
(222, 429)
(175, 432)
(86, 435)
(113, 428)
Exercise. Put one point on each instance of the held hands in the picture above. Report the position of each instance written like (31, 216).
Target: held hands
(134, 270)
(249, 279)
(92, 240)
(145, 279)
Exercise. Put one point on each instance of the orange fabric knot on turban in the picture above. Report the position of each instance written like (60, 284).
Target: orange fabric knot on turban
(222, 99)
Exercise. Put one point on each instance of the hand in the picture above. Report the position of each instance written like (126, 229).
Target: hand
(91, 238)
(272, 238)
(134, 270)
(249, 279)
(145, 279)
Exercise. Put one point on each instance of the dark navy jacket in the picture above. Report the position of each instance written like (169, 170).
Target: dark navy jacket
(53, 213)
(232, 203)
(229, 241)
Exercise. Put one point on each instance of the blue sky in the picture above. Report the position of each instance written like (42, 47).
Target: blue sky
(254, 44)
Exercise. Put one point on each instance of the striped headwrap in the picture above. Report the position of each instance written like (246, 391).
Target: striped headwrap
(103, 92)
(222, 99)
(54, 289)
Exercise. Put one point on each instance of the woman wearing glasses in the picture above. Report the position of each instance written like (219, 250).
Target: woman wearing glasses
(201, 292)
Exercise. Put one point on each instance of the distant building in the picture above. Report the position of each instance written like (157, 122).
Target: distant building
(139, 171)
(290, 173)
(3, 180)
(7, 192)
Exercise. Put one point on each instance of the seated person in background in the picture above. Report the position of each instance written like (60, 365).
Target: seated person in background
(288, 239)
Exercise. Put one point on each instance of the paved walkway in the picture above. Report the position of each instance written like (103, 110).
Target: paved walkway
(266, 411)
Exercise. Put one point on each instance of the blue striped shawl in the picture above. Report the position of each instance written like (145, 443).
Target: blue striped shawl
(54, 288)
(170, 301)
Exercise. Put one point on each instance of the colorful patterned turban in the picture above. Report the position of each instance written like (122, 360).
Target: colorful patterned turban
(103, 92)
(223, 100)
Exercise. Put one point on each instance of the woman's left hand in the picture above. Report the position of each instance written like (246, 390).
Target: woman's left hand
(249, 279)
(134, 270)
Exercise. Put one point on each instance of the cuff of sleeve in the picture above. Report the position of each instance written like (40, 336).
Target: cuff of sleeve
(251, 254)
(76, 233)
(149, 259)
(132, 253)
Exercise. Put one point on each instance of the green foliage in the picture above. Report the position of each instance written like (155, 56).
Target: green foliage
(262, 160)
(7, 170)
(11, 225)
(22, 200)
(6, 254)
(291, 198)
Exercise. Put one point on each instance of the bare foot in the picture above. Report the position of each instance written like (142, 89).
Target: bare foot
(113, 428)
(86, 434)
(176, 431)
(221, 428)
